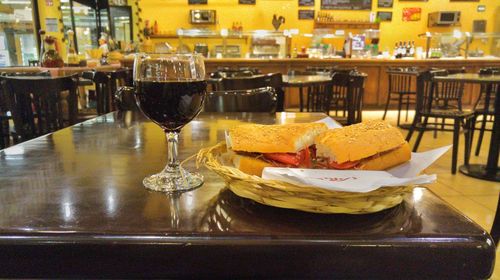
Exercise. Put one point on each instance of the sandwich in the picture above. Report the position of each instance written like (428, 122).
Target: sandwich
(371, 145)
(257, 146)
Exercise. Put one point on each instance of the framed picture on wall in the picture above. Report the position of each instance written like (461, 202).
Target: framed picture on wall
(384, 16)
(464, 0)
(412, 14)
(196, 2)
(346, 4)
(385, 3)
(306, 14)
(309, 3)
(246, 2)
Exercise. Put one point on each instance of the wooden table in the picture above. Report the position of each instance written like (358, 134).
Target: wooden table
(302, 81)
(490, 171)
(72, 205)
(62, 71)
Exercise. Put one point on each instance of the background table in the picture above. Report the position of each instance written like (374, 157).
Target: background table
(490, 171)
(302, 81)
(72, 205)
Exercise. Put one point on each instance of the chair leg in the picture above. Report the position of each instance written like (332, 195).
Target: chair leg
(420, 134)
(400, 105)
(435, 128)
(407, 107)
(481, 134)
(456, 138)
(387, 105)
(416, 120)
(469, 136)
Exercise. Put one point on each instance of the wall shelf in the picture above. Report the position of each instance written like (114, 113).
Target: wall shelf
(347, 25)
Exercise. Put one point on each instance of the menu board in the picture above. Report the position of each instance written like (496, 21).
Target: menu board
(193, 2)
(306, 14)
(306, 2)
(346, 4)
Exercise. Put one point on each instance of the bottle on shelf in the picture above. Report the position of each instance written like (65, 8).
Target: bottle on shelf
(155, 28)
(42, 46)
(72, 56)
(396, 50)
(412, 49)
(403, 49)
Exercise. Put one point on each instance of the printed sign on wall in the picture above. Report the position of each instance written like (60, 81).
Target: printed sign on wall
(306, 14)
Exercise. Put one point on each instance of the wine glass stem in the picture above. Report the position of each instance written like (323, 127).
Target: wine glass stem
(173, 162)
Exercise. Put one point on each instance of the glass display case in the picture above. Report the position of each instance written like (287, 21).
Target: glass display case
(459, 44)
(226, 43)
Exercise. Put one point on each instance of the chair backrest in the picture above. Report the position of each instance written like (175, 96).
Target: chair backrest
(274, 80)
(449, 94)
(249, 100)
(401, 79)
(426, 90)
(349, 86)
(3, 101)
(39, 104)
(102, 82)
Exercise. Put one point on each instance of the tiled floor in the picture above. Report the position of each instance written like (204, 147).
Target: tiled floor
(477, 199)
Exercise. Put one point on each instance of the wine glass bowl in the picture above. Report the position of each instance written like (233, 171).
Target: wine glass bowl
(170, 90)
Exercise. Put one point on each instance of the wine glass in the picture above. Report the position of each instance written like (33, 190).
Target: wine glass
(170, 90)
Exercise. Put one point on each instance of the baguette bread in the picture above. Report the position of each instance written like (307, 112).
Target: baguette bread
(358, 141)
(250, 165)
(388, 159)
(284, 138)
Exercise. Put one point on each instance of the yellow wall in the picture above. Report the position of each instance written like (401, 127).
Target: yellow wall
(52, 12)
(173, 14)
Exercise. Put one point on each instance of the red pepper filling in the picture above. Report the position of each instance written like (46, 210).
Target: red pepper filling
(301, 158)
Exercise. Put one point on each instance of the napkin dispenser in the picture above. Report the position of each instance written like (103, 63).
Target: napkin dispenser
(202, 16)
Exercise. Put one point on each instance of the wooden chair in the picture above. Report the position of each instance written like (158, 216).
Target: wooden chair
(5, 115)
(106, 84)
(402, 89)
(430, 105)
(38, 104)
(274, 80)
(346, 95)
(249, 100)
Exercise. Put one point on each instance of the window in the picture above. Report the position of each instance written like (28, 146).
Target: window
(18, 43)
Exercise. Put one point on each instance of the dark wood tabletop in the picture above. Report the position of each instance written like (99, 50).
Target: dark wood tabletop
(469, 78)
(72, 205)
(304, 80)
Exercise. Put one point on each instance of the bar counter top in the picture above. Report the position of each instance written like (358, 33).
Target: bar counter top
(72, 206)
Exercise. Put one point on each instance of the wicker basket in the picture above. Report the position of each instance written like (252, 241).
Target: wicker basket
(299, 197)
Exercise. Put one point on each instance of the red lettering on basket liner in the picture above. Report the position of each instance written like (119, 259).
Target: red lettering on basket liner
(336, 179)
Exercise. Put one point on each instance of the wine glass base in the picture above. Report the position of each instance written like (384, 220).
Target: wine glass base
(172, 182)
